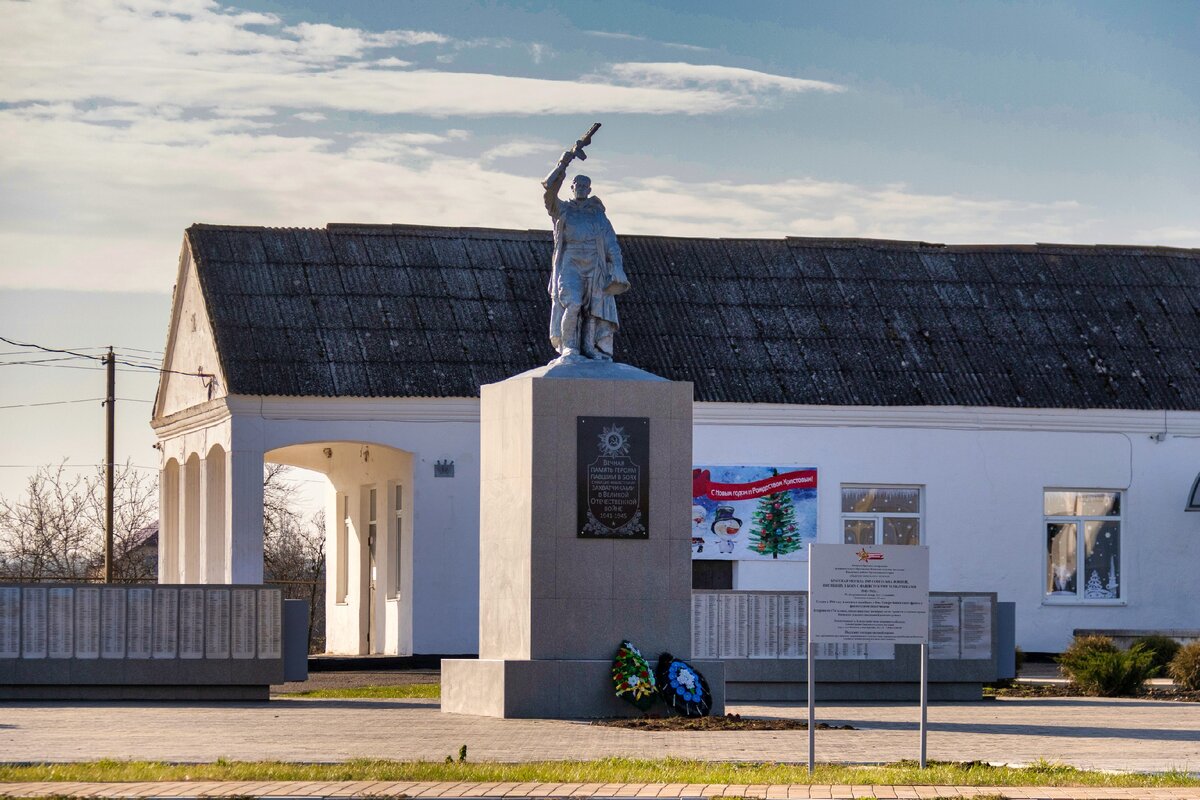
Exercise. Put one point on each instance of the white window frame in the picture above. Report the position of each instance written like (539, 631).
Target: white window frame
(878, 516)
(1081, 551)
(395, 540)
(341, 590)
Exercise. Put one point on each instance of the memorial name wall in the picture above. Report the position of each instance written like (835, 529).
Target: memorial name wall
(140, 622)
(764, 625)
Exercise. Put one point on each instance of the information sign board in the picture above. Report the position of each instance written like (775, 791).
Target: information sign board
(869, 593)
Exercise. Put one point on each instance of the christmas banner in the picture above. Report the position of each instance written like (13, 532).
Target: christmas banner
(753, 513)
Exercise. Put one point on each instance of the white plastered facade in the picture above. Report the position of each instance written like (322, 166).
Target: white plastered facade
(982, 472)
(213, 446)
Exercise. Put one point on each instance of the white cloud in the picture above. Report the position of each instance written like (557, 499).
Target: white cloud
(391, 62)
(1170, 236)
(322, 42)
(517, 149)
(132, 189)
(807, 207)
(310, 116)
(677, 74)
(630, 37)
(200, 55)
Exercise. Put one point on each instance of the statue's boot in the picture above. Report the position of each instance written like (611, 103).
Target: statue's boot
(599, 341)
(588, 345)
(570, 337)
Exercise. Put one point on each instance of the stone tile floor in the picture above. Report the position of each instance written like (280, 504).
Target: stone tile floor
(1116, 734)
(1093, 733)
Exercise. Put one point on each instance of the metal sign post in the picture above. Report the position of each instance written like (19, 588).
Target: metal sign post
(924, 696)
(812, 684)
(868, 593)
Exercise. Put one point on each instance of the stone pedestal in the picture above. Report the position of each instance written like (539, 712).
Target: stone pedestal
(554, 606)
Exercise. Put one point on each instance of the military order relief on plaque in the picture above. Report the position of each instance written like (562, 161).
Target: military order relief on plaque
(613, 486)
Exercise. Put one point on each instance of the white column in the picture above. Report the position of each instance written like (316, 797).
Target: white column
(212, 521)
(244, 504)
(168, 523)
(189, 519)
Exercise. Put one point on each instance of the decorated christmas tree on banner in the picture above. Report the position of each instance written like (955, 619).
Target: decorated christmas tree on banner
(774, 530)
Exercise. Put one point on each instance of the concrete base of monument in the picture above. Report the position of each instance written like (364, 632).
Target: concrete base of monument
(110, 692)
(547, 689)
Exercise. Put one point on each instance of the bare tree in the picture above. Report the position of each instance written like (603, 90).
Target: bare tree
(135, 518)
(293, 546)
(55, 530)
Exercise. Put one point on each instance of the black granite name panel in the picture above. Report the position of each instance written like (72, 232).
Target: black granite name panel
(613, 478)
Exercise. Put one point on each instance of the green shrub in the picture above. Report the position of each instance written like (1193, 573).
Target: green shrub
(1113, 673)
(1164, 648)
(1185, 667)
(1080, 649)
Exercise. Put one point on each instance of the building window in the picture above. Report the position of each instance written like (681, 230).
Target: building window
(341, 586)
(712, 574)
(395, 542)
(881, 514)
(1083, 544)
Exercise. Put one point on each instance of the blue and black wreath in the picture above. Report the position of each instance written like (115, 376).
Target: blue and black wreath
(682, 687)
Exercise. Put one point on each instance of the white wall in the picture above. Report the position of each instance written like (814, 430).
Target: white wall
(443, 526)
(983, 486)
(983, 472)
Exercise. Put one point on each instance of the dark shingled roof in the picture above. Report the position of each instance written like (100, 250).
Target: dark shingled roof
(402, 311)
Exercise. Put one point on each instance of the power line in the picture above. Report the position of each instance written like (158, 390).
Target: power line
(76, 354)
(141, 371)
(73, 466)
(35, 361)
(55, 403)
(83, 400)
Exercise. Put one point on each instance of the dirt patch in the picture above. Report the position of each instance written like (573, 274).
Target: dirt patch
(1067, 690)
(729, 722)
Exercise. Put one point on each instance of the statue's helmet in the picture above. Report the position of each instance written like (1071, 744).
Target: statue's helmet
(582, 181)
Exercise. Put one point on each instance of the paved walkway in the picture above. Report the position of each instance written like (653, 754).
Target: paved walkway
(1091, 733)
(375, 789)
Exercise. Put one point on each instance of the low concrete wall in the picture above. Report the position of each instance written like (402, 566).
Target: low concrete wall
(760, 637)
(78, 641)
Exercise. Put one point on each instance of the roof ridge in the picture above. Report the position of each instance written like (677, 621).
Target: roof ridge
(473, 232)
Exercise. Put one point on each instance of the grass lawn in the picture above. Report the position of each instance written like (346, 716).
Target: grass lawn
(427, 690)
(609, 770)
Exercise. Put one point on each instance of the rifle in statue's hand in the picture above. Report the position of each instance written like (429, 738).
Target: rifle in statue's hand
(575, 152)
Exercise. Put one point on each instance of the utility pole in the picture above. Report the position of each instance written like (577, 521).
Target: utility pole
(110, 402)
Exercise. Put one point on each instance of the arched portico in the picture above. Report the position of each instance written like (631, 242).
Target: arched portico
(368, 542)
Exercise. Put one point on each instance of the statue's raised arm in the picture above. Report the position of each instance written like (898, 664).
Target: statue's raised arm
(587, 269)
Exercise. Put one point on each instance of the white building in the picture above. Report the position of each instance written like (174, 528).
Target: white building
(1040, 403)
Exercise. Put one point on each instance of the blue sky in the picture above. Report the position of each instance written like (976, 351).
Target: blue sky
(952, 122)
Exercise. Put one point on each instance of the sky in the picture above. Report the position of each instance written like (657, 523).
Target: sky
(124, 121)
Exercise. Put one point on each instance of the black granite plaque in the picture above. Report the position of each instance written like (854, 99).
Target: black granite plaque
(613, 485)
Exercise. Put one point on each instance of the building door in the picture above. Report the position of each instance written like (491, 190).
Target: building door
(374, 640)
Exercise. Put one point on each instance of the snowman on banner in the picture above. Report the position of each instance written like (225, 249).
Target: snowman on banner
(725, 527)
(698, 516)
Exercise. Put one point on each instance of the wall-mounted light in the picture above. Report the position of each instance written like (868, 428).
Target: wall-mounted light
(443, 469)
(328, 451)
(1194, 497)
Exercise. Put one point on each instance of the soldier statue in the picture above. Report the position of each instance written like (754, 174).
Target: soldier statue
(587, 272)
